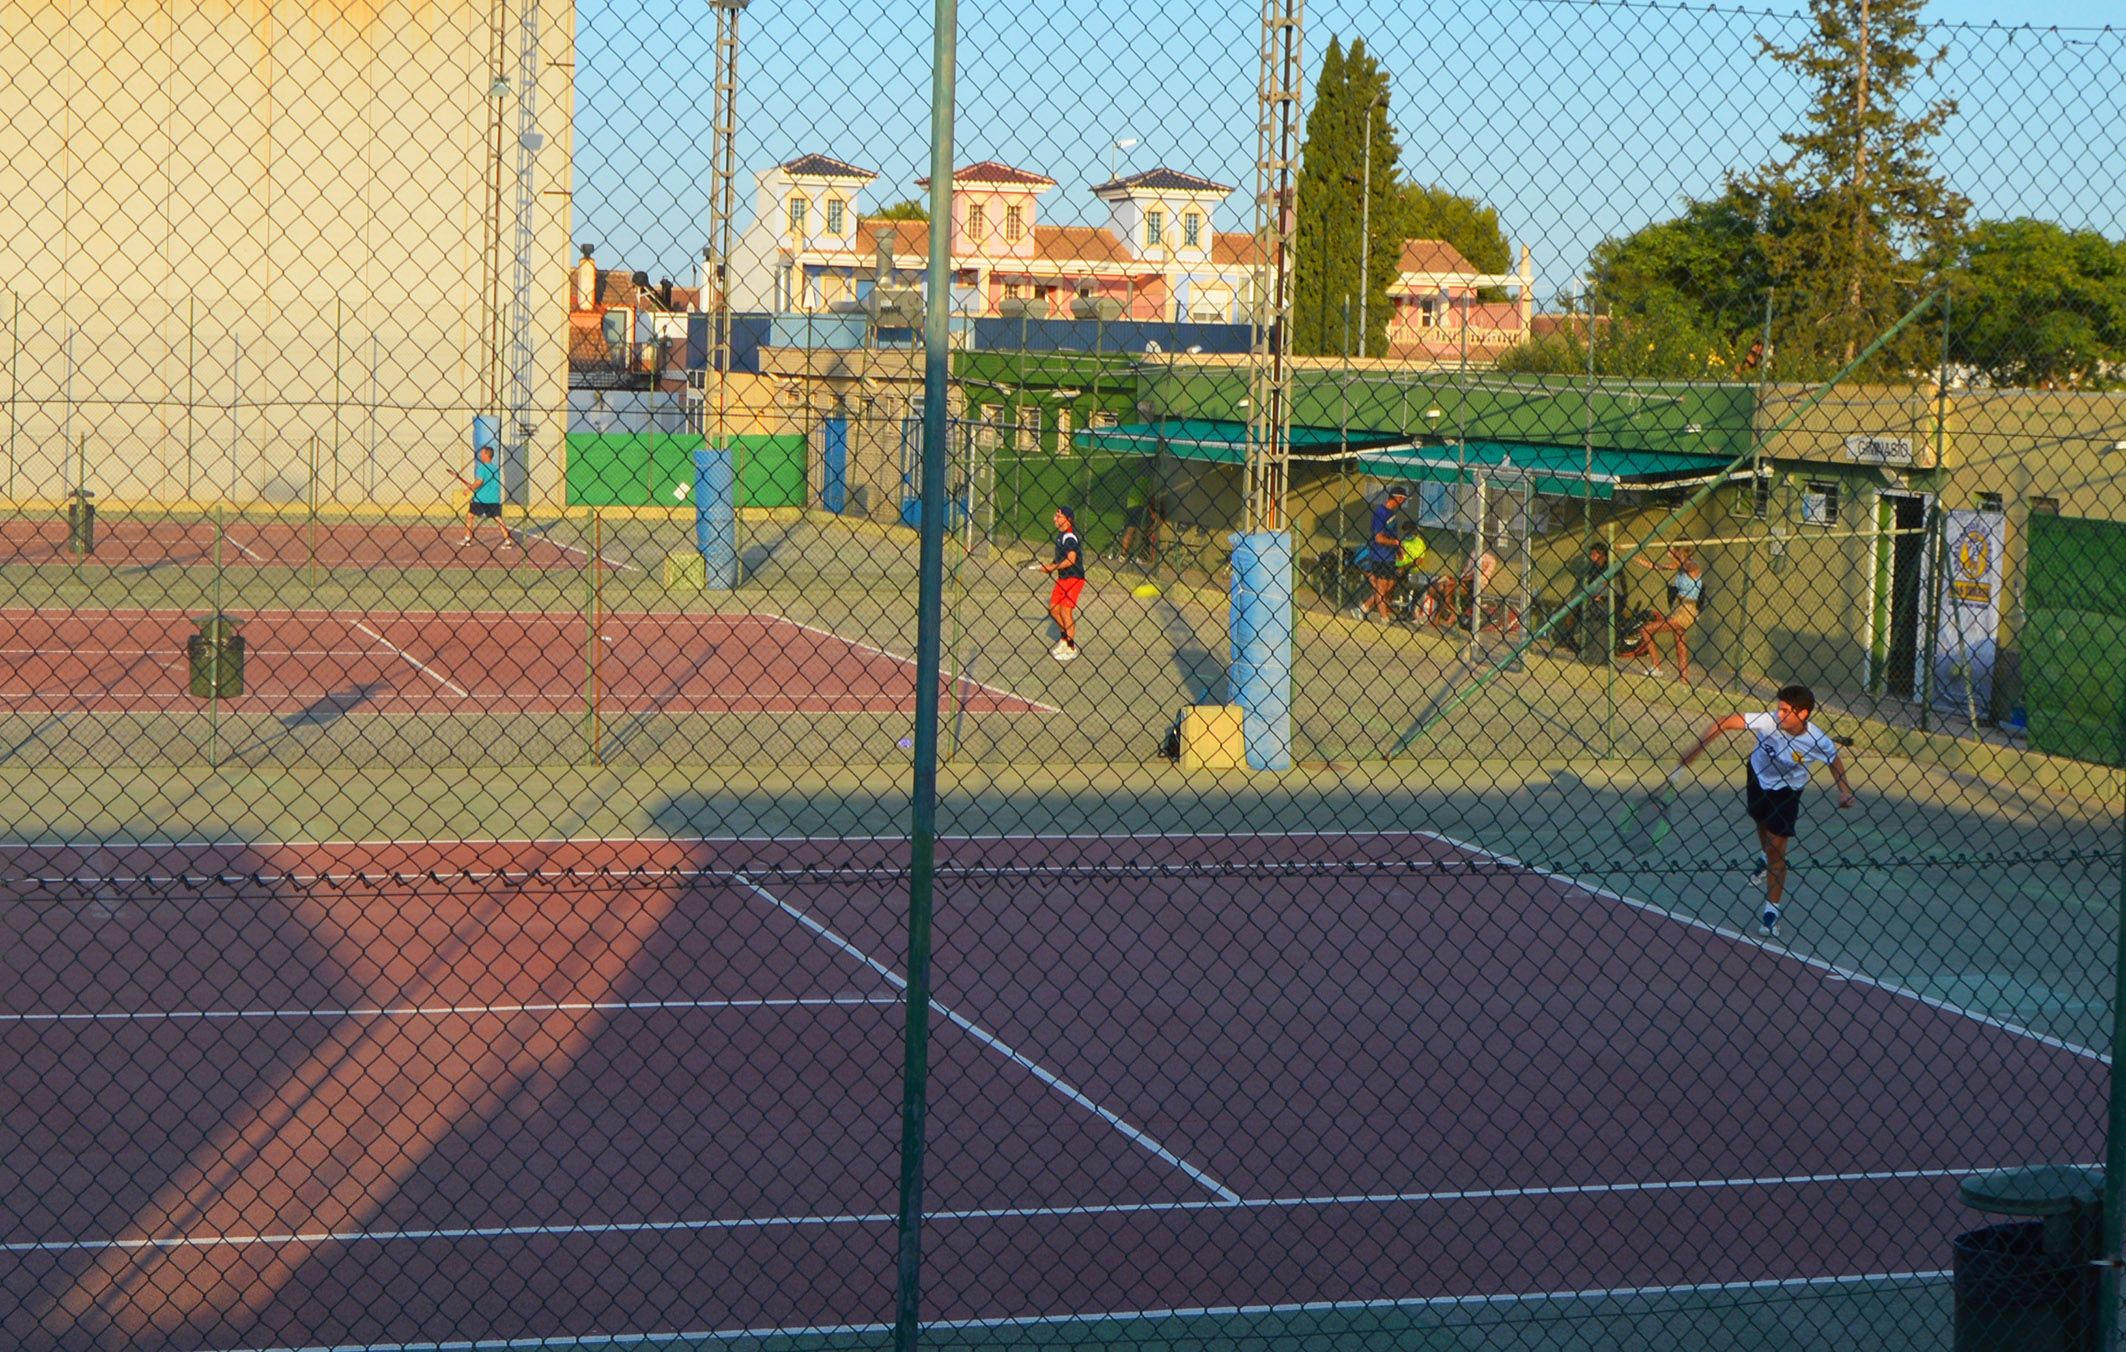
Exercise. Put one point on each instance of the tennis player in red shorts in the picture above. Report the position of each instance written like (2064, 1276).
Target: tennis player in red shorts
(1068, 570)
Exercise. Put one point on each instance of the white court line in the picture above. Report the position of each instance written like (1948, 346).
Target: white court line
(453, 1011)
(996, 1044)
(620, 565)
(1233, 1205)
(612, 1342)
(418, 665)
(907, 661)
(1832, 969)
(977, 837)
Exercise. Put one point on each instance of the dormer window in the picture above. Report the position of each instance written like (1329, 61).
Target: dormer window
(1192, 228)
(798, 207)
(1014, 224)
(974, 221)
(1154, 227)
(837, 215)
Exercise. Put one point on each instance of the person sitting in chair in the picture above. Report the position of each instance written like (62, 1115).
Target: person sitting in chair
(1686, 589)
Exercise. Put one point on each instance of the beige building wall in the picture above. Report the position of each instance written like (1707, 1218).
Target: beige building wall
(240, 240)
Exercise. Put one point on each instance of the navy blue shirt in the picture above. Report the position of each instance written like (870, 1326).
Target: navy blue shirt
(1066, 547)
(1383, 516)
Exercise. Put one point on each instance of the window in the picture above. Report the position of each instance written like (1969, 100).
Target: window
(1154, 227)
(1014, 224)
(798, 206)
(1439, 505)
(1819, 503)
(1063, 446)
(2041, 505)
(836, 215)
(1029, 434)
(974, 221)
(1192, 229)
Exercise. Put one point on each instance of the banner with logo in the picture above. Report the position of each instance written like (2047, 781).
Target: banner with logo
(1966, 637)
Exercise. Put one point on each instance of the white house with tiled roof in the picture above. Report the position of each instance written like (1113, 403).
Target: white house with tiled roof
(803, 209)
(1160, 254)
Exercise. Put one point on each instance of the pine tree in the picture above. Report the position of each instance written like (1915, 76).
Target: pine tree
(1864, 223)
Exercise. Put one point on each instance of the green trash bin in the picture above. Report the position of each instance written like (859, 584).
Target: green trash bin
(215, 658)
(81, 522)
(2031, 1285)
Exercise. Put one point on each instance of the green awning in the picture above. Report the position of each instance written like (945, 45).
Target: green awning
(1220, 442)
(1559, 470)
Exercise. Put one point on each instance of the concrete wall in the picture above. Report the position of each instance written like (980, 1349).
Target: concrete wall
(235, 240)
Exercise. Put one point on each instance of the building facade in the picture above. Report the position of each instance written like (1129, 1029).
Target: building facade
(1159, 255)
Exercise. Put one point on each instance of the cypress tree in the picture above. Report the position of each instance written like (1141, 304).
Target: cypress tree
(1328, 294)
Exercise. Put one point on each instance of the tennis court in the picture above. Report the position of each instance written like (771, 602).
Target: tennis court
(165, 540)
(621, 1091)
(468, 662)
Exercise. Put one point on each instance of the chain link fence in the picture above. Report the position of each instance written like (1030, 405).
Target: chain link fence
(502, 849)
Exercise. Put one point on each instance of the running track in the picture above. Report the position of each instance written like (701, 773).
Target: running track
(469, 662)
(290, 1095)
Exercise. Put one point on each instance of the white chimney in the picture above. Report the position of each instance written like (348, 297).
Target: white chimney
(584, 291)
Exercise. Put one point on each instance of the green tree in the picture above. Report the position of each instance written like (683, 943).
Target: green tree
(1865, 223)
(907, 209)
(1679, 299)
(1338, 211)
(1469, 225)
(1711, 258)
(2036, 304)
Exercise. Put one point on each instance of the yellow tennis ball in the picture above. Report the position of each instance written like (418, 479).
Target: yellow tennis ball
(1145, 589)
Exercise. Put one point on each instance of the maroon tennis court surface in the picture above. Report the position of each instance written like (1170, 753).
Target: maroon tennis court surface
(336, 1095)
(292, 541)
(472, 662)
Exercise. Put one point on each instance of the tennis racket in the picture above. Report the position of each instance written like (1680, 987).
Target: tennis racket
(1643, 824)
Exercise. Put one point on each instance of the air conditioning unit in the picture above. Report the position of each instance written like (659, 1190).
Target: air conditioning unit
(897, 307)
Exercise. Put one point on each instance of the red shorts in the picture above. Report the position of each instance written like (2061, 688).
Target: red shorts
(1064, 596)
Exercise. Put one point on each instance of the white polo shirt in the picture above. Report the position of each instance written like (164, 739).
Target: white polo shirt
(1782, 762)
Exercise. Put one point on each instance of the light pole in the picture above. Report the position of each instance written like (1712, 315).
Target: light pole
(1112, 146)
(1365, 221)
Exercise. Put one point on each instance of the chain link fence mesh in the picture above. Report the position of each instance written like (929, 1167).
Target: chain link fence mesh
(465, 868)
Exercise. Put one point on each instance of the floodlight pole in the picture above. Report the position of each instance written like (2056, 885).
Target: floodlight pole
(723, 176)
(1365, 222)
(929, 642)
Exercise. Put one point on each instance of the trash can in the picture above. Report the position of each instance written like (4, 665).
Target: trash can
(215, 658)
(2031, 1285)
(80, 522)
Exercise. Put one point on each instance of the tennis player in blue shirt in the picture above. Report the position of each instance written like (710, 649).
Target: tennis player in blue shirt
(486, 486)
(1384, 543)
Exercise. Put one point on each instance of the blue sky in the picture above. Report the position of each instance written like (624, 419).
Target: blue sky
(1577, 121)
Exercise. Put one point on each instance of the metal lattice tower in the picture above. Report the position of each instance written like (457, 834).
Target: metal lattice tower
(1278, 96)
(723, 177)
(517, 440)
(491, 303)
